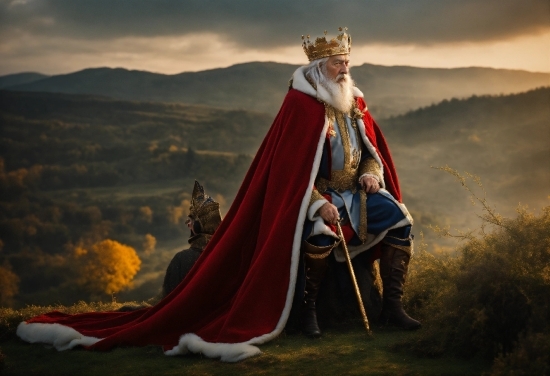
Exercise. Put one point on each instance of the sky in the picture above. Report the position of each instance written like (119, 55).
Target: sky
(174, 36)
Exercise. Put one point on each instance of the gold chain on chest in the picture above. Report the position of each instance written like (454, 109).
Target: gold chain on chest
(345, 179)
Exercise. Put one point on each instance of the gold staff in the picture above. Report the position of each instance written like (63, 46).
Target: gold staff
(354, 280)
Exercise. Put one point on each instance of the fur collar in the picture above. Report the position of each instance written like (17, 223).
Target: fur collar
(300, 83)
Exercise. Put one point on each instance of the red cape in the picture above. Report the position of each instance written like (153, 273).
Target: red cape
(240, 290)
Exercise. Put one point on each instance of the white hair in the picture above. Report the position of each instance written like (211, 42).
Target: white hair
(341, 92)
(316, 70)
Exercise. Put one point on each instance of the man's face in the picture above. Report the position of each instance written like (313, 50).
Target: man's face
(337, 67)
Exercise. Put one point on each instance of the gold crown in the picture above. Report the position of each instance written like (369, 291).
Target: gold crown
(321, 48)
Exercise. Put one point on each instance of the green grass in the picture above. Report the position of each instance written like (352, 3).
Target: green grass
(343, 351)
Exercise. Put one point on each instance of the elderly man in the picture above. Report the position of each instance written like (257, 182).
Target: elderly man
(355, 183)
(323, 159)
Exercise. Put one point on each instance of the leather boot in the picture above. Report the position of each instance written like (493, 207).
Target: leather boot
(315, 260)
(393, 269)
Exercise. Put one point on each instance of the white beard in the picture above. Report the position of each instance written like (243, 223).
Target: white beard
(341, 92)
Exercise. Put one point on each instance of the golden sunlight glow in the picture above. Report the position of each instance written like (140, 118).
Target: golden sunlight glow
(171, 55)
(530, 53)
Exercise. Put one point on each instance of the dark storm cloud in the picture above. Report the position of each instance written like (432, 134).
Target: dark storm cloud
(254, 23)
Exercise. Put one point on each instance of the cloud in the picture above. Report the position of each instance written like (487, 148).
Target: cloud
(171, 36)
(268, 24)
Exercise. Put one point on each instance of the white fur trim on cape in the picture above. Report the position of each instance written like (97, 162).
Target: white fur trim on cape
(319, 226)
(297, 243)
(64, 337)
(245, 350)
(372, 150)
(227, 352)
(59, 336)
(314, 207)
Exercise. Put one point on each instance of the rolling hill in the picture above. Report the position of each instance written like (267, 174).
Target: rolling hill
(502, 139)
(261, 87)
(35, 122)
(20, 79)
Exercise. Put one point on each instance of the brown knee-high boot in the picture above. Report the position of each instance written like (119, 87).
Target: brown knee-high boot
(315, 260)
(393, 269)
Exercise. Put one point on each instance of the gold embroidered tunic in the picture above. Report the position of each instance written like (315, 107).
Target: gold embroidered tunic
(349, 160)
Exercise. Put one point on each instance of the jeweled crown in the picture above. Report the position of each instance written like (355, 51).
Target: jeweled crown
(321, 48)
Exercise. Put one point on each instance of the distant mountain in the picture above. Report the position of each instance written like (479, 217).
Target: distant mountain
(20, 79)
(395, 90)
(261, 86)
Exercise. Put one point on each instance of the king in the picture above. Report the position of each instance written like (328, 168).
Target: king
(355, 183)
(324, 162)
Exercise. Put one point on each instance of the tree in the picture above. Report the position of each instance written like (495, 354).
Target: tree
(149, 244)
(146, 214)
(107, 266)
(9, 285)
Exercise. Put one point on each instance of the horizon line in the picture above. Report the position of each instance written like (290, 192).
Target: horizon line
(266, 62)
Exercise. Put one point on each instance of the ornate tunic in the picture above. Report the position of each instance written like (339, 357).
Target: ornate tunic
(338, 182)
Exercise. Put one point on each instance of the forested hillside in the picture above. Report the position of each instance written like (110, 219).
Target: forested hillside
(79, 170)
(76, 170)
(501, 139)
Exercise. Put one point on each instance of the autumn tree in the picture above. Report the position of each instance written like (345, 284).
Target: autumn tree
(106, 267)
(146, 214)
(9, 285)
(149, 244)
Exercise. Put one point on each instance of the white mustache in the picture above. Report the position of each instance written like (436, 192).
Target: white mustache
(341, 76)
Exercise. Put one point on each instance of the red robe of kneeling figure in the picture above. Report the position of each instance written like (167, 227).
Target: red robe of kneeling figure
(239, 292)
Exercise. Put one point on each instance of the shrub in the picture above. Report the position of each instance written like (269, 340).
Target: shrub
(531, 356)
(492, 298)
